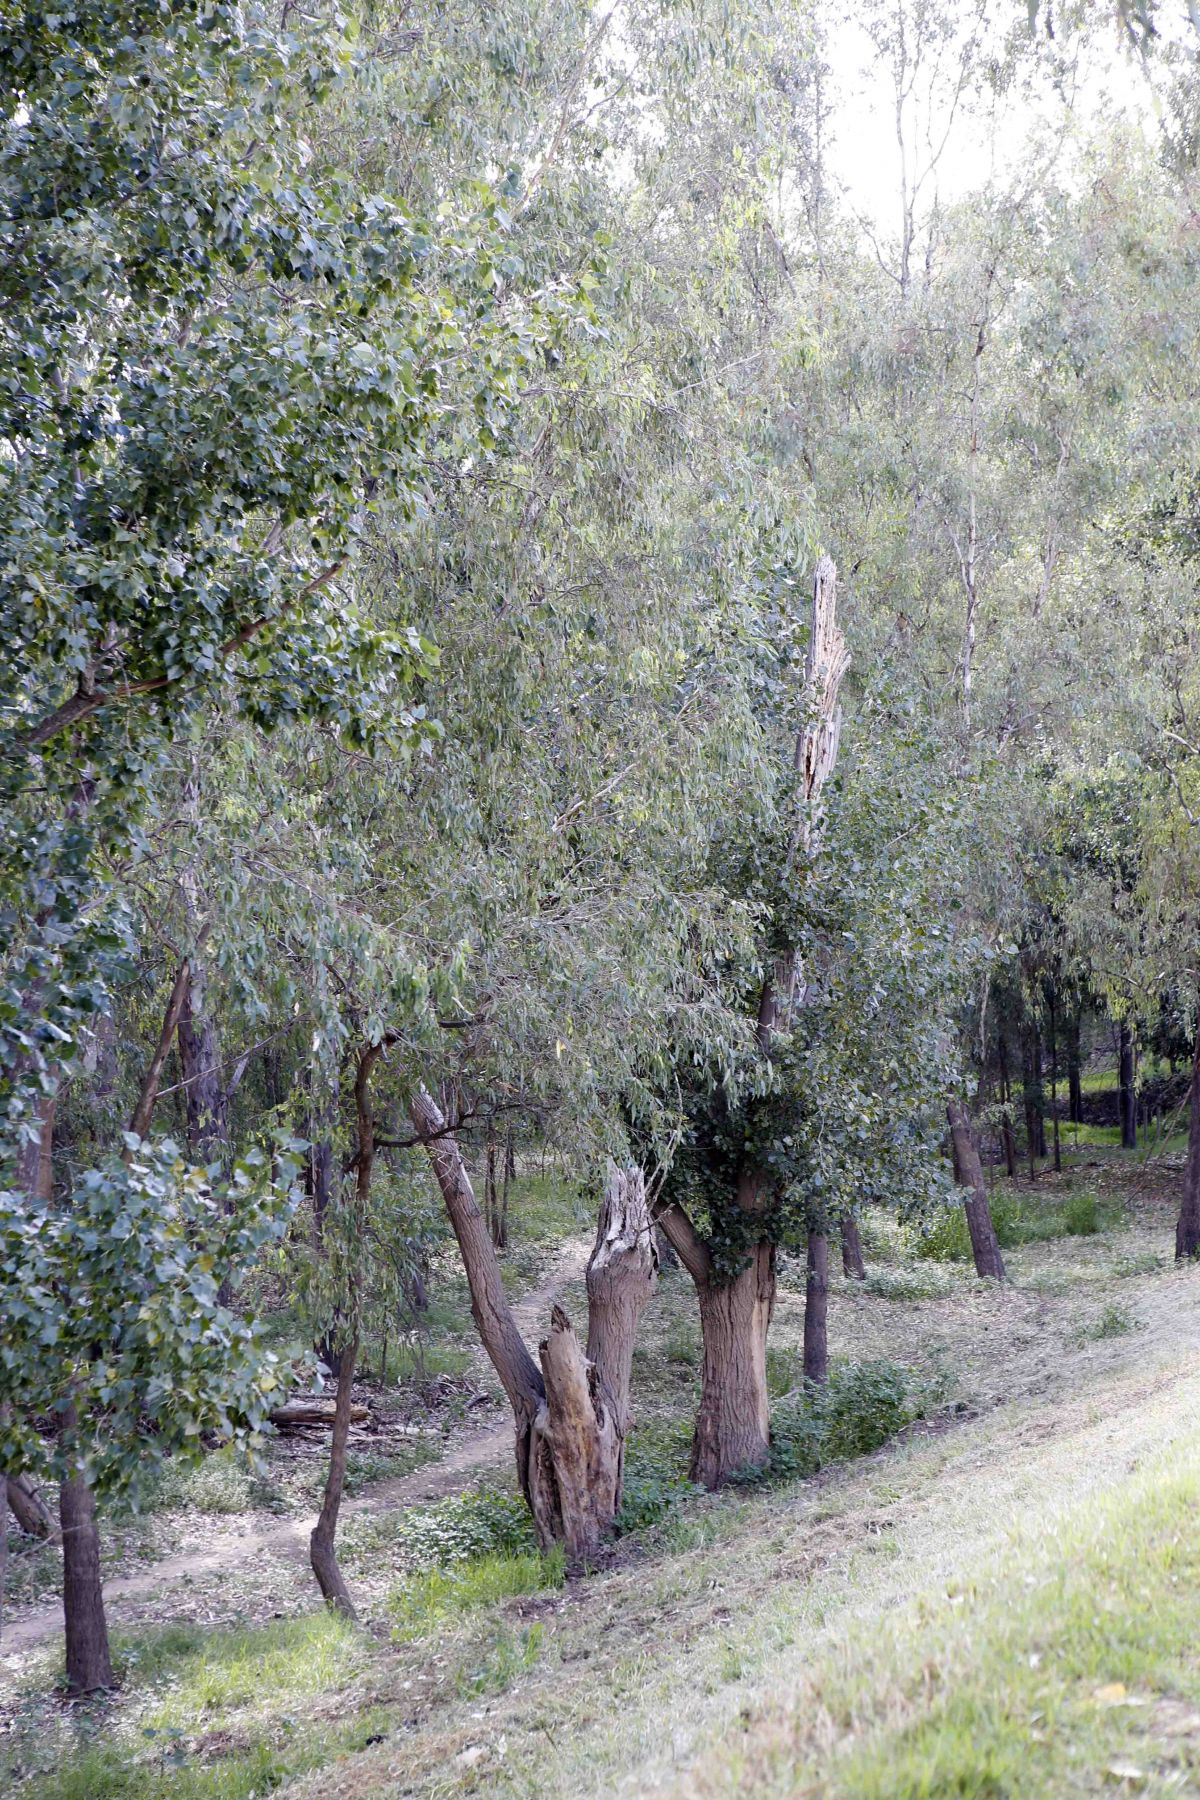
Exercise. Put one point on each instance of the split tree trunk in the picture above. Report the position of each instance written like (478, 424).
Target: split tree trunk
(571, 1413)
(89, 1663)
(853, 1265)
(1187, 1230)
(816, 1309)
(968, 1172)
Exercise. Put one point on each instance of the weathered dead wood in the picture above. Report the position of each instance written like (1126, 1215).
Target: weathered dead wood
(312, 1412)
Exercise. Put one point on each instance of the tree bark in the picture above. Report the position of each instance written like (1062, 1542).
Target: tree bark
(29, 1509)
(1053, 1008)
(853, 1265)
(733, 1425)
(89, 1663)
(1074, 1070)
(968, 1172)
(1007, 1136)
(1127, 1093)
(320, 1181)
(1187, 1230)
(570, 1414)
(322, 1545)
(816, 1309)
(200, 1064)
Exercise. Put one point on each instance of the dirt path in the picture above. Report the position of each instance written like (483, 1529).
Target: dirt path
(289, 1538)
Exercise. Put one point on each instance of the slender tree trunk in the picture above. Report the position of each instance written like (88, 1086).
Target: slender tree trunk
(1126, 1088)
(200, 1062)
(1006, 1130)
(1187, 1231)
(322, 1545)
(968, 1172)
(1074, 1070)
(89, 1663)
(816, 1309)
(320, 1179)
(1054, 1078)
(852, 1252)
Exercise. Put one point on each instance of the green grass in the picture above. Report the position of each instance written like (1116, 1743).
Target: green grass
(428, 1601)
(201, 1716)
(1028, 1216)
(1068, 1665)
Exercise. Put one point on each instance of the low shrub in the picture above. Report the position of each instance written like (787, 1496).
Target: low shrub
(907, 1284)
(859, 1409)
(464, 1527)
(1081, 1214)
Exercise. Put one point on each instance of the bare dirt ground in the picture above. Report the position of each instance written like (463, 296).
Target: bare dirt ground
(279, 1549)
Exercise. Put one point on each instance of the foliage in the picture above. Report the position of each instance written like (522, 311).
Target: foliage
(859, 1409)
(111, 1307)
(481, 1522)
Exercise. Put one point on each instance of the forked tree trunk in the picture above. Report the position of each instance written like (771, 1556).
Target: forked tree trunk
(968, 1172)
(816, 1309)
(1187, 1230)
(570, 1414)
(89, 1663)
(853, 1265)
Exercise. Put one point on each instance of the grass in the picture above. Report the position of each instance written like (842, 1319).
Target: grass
(426, 1602)
(1068, 1665)
(1020, 1216)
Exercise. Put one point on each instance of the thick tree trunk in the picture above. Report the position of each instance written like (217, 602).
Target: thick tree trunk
(1126, 1086)
(968, 1172)
(89, 1664)
(570, 1413)
(733, 1426)
(816, 1309)
(322, 1546)
(1187, 1230)
(853, 1265)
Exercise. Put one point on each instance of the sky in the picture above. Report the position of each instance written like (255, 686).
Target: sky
(981, 143)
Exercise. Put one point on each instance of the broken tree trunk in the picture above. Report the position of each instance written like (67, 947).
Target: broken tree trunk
(312, 1412)
(571, 1413)
(968, 1172)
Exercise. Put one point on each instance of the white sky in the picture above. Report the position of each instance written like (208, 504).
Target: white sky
(982, 141)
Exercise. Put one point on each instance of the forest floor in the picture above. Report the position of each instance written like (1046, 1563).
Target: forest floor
(1000, 1601)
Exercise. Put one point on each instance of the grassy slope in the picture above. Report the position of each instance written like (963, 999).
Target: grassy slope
(870, 1632)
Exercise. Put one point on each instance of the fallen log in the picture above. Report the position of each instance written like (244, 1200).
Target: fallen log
(311, 1412)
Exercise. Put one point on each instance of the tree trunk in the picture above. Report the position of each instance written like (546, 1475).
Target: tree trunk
(29, 1509)
(570, 1414)
(1007, 1136)
(1054, 1079)
(322, 1548)
(622, 1273)
(1126, 1089)
(853, 1265)
(733, 1425)
(200, 1062)
(816, 1309)
(1074, 1071)
(1187, 1230)
(968, 1172)
(320, 1181)
(89, 1664)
